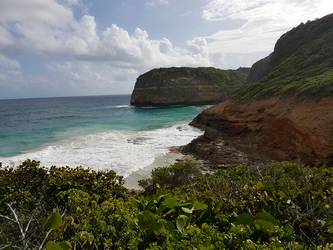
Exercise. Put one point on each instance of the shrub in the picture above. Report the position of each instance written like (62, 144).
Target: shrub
(181, 173)
(279, 206)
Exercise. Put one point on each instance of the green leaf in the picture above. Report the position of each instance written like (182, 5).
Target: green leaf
(305, 225)
(170, 202)
(243, 219)
(330, 228)
(260, 185)
(282, 194)
(54, 221)
(147, 220)
(181, 222)
(266, 217)
(86, 237)
(187, 210)
(199, 206)
(265, 226)
(51, 245)
(159, 198)
(188, 205)
(66, 245)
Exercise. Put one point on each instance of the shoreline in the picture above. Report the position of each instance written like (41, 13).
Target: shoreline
(109, 150)
(163, 160)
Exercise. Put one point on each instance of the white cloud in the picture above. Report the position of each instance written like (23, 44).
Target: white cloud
(153, 3)
(5, 37)
(264, 22)
(286, 11)
(70, 2)
(95, 61)
(92, 77)
(34, 12)
(51, 29)
(91, 61)
(10, 71)
(6, 63)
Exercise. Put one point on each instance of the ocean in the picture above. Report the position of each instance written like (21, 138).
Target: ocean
(99, 132)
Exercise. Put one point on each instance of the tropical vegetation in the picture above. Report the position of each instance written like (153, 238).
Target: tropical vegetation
(301, 64)
(278, 206)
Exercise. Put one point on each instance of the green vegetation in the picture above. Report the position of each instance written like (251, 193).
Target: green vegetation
(280, 206)
(301, 64)
(179, 174)
(229, 80)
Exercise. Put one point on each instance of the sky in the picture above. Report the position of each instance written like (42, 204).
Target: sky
(99, 47)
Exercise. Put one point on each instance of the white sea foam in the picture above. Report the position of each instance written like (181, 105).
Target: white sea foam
(112, 107)
(122, 106)
(124, 152)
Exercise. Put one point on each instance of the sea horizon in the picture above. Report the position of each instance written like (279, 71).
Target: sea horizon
(50, 97)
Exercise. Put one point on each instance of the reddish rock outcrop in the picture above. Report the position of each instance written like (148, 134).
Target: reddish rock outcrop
(271, 129)
(289, 112)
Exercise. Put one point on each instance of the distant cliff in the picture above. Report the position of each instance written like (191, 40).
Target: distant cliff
(186, 86)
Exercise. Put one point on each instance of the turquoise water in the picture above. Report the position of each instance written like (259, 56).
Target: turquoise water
(27, 125)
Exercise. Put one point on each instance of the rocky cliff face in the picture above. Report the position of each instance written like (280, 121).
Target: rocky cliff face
(186, 86)
(285, 114)
(270, 129)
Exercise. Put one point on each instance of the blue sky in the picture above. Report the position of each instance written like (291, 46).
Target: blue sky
(86, 47)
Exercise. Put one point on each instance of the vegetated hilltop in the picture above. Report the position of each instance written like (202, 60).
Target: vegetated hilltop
(187, 86)
(301, 64)
(286, 110)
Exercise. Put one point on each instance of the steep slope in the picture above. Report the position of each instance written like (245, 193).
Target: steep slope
(186, 86)
(301, 64)
(285, 113)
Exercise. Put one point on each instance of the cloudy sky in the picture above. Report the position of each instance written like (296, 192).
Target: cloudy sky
(92, 47)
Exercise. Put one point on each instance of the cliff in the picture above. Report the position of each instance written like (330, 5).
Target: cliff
(301, 64)
(186, 86)
(264, 130)
(285, 114)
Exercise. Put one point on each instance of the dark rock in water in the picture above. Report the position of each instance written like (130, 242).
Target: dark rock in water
(186, 86)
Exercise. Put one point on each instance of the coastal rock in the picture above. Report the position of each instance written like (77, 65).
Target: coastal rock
(186, 86)
(273, 129)
(284, 112)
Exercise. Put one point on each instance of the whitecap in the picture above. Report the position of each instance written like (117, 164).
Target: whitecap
(122, 151)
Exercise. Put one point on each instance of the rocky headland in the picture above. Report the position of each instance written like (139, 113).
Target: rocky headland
(285, 112)
(280, 109)
(264, 130)
(186, 86)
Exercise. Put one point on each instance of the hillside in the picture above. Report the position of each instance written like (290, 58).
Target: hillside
(301, 64)
(286, 110)
(186, 86)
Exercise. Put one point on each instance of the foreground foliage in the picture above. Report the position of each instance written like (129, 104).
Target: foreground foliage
(281, 206)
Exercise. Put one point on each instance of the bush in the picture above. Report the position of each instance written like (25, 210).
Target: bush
(279, 206)
(181, 173)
